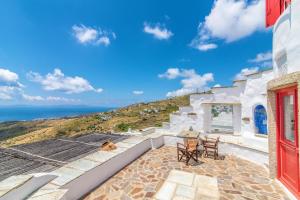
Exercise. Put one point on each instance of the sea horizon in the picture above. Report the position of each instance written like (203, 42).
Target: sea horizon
(41, 112)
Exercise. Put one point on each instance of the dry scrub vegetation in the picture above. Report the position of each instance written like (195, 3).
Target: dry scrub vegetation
(135, 116)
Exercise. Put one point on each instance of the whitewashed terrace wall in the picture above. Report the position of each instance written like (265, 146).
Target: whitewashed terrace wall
(185, 109)
(286, 42)
(183, 121)
(254, 94)
(227, 95)
(245, 95)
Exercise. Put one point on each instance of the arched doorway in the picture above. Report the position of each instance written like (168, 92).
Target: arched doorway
(260, 120)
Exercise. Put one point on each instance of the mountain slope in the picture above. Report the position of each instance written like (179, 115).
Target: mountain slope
(135, 116)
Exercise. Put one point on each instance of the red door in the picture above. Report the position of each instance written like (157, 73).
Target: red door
(287, 139)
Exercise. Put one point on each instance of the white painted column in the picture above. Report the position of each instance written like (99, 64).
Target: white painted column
(237, 119)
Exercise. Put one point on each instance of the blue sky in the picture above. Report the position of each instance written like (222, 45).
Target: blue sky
(113, 53)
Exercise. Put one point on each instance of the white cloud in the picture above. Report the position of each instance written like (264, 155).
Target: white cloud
(104, 40)
(231, 20)
(8, 76)
(9, 84)
(95, 36)
(4, 96)
(180, 92)
(171, 73)
(61, 99)
(137, 92)
(217, 85)
(191, 81)
(58, 81)
(262, 57)
(49, 99)
(244, 72)
(206, 47)
(7, 92)
(32, 98)
(158, 31)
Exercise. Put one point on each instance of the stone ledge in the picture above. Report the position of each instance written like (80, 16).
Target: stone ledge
(13, 182)
(284, 81)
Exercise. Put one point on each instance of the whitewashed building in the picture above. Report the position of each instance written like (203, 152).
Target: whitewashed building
(283, 95)
(247, 98)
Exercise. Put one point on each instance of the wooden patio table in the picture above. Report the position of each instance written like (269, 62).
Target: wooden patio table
(189, 134)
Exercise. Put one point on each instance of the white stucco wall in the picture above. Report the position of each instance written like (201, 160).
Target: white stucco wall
(243, 95)
(227, 94)
(185, 118)
(286, 42)
(185, 109)
(183, 121)
(253, 95)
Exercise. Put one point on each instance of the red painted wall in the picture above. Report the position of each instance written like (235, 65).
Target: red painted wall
(273, 11)
(274, 8)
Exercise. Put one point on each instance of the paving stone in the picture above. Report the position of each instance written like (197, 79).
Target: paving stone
(166, 192)
(233, 177)
(13, 182)
(65, 175)
(54, 194)
(134, 140)
(181, 177)
(124, 145)
(180, 198)
(185, 191)
(82, 164)
(100, 156)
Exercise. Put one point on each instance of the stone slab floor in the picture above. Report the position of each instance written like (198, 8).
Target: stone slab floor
(142, 179)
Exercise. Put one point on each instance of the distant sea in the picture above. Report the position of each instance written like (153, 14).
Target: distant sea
(26, 113)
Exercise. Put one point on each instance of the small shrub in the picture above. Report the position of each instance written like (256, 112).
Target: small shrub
(61, 132)
(171, 108)
(123, 127)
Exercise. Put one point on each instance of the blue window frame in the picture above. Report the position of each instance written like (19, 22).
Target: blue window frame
(260, 120)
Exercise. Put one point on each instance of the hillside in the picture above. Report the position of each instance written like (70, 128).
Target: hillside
(135, 116)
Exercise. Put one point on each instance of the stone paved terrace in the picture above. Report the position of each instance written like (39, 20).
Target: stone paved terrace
(142, 179)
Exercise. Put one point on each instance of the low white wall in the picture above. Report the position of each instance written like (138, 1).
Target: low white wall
(252, 155)
(172, 140)
(148, 130)
(93, 178)
(157, 142)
